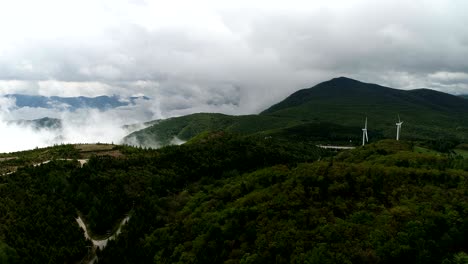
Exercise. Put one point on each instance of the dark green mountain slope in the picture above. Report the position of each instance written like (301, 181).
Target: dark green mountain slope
(440, 101)
(346, 101)
(346, 93)
(187, 127)
(427, 115)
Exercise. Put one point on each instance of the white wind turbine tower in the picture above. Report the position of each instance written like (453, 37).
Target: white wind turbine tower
(398, 128)
(364, 134)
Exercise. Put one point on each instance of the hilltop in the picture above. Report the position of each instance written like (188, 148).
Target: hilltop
(11, 162)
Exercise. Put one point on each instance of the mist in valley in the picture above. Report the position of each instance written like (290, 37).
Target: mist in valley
(85, 125)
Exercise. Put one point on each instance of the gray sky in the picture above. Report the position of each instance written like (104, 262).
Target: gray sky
(234, 57)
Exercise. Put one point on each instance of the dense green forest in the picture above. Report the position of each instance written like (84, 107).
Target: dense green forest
(227, 198)
(37, 217)
(379, 204)
(39, 204)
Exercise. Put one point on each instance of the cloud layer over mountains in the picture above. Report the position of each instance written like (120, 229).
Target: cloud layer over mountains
(240, 57)
(23, 127)
(233, 57)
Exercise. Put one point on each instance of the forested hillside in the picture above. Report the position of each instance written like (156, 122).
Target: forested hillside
(39, 204)
(380, 204)
(335, 109)
(225, 198)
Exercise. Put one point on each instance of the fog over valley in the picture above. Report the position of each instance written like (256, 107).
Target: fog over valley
(83, 125)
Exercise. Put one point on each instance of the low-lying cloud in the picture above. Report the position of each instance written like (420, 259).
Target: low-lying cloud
(83, 125)
(92, 125)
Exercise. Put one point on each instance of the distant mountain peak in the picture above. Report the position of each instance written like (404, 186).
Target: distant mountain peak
(334, 88)
(40, 123)
(345, 82)
(360, 97)
(343, 78)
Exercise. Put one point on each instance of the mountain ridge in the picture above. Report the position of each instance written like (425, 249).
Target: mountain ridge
(335, 85)
(346, 88)
(40, 123)
(427, 114)
(102, 102)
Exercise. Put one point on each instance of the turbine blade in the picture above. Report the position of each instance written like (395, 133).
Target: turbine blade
(367, 138)
(365, 126)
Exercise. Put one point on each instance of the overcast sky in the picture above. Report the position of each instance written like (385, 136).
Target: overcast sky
(229, 56)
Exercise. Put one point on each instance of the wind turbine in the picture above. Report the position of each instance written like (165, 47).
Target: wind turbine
(364, 134)
(398, 128)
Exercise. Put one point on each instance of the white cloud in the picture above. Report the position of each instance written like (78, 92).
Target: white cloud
(70, 89)
(18, 86)
(450, 77)
(29, 138)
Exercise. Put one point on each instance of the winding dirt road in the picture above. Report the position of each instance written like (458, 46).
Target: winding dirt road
(100, 243)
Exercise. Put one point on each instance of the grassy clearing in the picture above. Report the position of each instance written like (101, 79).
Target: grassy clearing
(461, 152)
(93, 147)
(419, 149)
(88, 150)
(10, 162)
